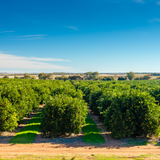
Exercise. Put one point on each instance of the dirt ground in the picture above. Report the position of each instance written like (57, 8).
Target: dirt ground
(60, 149)
(42, 147)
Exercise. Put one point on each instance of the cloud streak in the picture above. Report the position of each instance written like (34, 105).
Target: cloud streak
(36, 35)
(72, 27)
(7, 31)
(158, 3)
(18, 62)
(30, 36)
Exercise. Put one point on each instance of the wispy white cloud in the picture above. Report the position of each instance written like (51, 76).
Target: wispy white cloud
(158, 2)
(7, 31)
(72, 27)
(139, 1)
(36, 35)
(13, 57)
(46, 59)
(30, 36)
(24, 37)
(18, 62)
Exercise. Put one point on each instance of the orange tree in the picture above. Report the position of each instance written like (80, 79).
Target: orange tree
(132, 113)
(63, 114)
(8, 115)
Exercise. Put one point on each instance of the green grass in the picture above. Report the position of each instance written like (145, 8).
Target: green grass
(156, 143)
(28, 133)
(135, 142)
(84, 157)
(92, 133)
(139, 143)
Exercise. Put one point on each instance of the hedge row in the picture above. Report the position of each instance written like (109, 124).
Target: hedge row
(126, 108)
(20, 97)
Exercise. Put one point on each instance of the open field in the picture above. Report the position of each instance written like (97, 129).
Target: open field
(116, 75)
(22, 75)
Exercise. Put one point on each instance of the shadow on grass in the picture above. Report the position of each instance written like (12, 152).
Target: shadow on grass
(139, 141)
(92, 133)
(28, 133)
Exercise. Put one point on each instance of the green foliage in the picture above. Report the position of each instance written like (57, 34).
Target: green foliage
(67, 89)
(91, 75)
(146, 77)
(8, 115)
(24, 96)
(93, 100)
(109, 78)
(155, 92)
(28, 133)
(130, 75)
(121, 100)
(49, 76)
(104, 101)
(137, 78)
(45, 76)
(15, 77)
(122, 78)
(76, 77)
(23, 99)
(63, 77)
(42, 76)
(33, 77)
(132, 113)
(5, 77)
(63, 114)
(27, 76)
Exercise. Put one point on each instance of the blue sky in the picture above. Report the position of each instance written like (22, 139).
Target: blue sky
(79, 36)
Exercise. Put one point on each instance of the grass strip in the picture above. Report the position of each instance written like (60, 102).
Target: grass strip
(91, 132)
(84, 157)
(28, 133)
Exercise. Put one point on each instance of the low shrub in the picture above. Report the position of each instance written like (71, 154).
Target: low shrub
(133, 113)
(104, 101)
(63, 114)
(94, 96)
(8, 116)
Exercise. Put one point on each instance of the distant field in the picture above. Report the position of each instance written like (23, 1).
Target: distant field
(114, 75)
(19, 76)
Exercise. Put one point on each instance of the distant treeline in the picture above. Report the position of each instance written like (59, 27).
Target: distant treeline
(68, 73)
(152, 74)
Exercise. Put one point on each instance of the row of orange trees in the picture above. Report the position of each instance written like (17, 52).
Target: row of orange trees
(64, 112)
(63, 104)
(126, 108)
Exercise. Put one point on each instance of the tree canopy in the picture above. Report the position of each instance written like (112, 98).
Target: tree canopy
(91, 75)
(130, 75)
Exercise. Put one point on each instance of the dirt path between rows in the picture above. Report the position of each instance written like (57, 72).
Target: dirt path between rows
(48, 147)
(53, 149)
